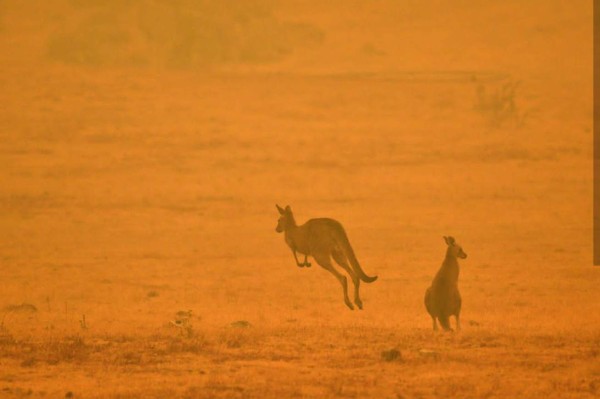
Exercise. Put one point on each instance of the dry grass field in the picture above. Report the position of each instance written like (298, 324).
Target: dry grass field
(144, 145)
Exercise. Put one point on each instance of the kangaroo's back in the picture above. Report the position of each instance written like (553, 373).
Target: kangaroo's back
(330, 237)
(323, 230)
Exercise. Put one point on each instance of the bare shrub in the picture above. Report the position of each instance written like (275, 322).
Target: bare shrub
(498, 104)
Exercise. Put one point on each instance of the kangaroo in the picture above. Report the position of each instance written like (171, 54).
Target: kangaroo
(442, 299)
(323, 239)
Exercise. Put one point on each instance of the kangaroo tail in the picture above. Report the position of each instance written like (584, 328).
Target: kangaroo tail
(347, 248)
(445, 322)
(427, 301)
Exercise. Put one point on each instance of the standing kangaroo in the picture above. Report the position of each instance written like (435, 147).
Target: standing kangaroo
(442, 299)
(323, 239)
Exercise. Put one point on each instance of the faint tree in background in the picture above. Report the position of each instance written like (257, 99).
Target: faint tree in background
(178, 33)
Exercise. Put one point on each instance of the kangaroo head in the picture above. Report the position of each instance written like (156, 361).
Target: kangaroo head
(286, 219)
(454, 249)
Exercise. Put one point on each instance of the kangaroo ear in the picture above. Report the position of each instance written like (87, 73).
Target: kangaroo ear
(280, 209)
(288, 209)
(450, 240)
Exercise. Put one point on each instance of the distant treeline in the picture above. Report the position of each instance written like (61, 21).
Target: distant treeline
(173, 33)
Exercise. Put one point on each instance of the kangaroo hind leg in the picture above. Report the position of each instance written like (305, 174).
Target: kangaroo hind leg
(458, 307)
(325, 262)
(341, 260)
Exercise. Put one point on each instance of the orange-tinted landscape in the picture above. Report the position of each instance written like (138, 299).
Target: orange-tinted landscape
(144, 145)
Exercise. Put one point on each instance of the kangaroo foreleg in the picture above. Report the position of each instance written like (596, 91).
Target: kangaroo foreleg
(303, 264)
(297, 261)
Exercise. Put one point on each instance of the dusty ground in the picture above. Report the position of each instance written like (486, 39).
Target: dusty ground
(134, 188)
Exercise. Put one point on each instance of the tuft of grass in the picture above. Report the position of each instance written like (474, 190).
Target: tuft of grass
(236, 338)
(196, 344)
(29, 362)
(22, 308)
(241, 324)
(129, 358)
(70, 349)
(183, 321)
(391, 355)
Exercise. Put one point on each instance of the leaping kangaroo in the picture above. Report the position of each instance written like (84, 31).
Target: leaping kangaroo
(323, 239)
